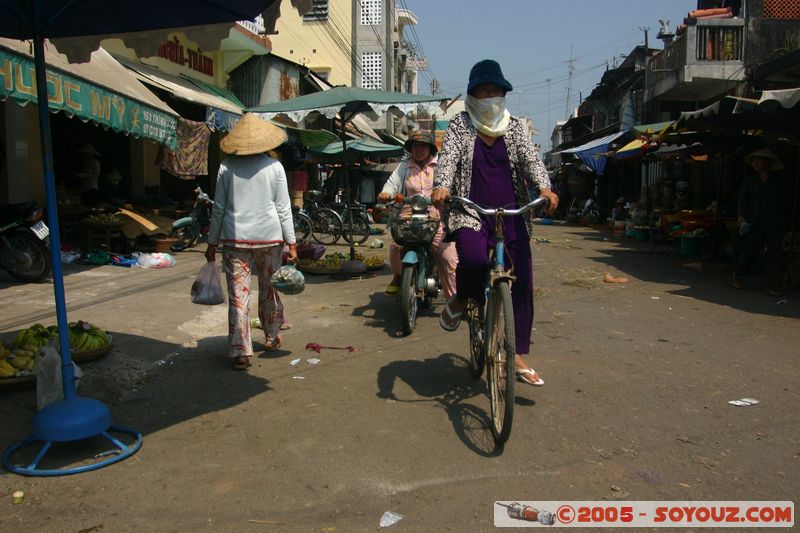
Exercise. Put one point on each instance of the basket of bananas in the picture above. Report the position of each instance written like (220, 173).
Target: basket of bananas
(329, 264)
(104, 220)
(374, 263)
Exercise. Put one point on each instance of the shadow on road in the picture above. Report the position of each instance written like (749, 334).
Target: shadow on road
(446, 382)
(703, 279)
(184, 385)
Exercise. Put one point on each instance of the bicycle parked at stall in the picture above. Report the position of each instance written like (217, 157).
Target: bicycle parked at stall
(491, 325)
(302, 224)
(326, 224)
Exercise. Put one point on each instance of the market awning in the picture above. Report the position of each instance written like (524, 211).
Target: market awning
(356, 148)
(656, 128)
(311, 138)
(181, 88)
(593, 152)
(635, 148)
(101, 91)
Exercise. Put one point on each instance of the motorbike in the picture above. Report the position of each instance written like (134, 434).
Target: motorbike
(188, 230)
(24, 242)
(415, 234)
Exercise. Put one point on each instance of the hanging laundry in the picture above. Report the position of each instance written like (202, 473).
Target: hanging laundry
(191, 157)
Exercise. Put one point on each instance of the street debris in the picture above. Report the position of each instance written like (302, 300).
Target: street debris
(376, 243)
(17, 497)
(687, 440)
(782, 302)
(694, 265)
(649, 477)
(655, 297)
(267, 522)
(744, 402)
(298, 377)
(390, 518)
(314, 361)
(295, 362)
(318, 347)
(608, 278)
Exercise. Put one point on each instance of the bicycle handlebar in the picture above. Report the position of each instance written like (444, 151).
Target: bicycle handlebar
(501, 210)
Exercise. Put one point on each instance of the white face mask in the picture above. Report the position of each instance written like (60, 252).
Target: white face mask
(488, 115)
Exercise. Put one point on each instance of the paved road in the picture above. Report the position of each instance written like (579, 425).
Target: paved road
(635, 406)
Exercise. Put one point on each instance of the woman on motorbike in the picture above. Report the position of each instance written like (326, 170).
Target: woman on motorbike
(488, 157)
(412, 177)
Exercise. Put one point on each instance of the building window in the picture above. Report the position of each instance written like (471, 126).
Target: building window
(371, 70)
(782, 9)
(371, 12)
(319, 11)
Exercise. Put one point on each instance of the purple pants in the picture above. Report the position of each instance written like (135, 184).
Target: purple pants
(473, 263)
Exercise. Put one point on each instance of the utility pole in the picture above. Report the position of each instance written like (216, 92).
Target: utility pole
(571, 71)
(549, 126)
(434, 87)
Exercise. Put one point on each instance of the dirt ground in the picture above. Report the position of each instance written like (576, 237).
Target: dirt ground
(635, 407)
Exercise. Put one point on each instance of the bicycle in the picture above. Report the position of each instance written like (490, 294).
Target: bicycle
(491, 325)
(360, 221)
(326, 224)
(302, 224)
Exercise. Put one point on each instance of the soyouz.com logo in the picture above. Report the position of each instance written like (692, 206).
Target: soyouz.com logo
(698, 514)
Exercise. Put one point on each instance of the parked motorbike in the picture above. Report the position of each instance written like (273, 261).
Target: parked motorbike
(188, 230)
(24, 242)
(415, 233)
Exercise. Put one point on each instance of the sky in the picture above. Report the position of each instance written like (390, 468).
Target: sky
(533, 41)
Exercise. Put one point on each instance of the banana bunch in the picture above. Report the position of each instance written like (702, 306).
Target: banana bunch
(375, 260)
(103, 218)
(36, 335)
(85, 337)
(17, 361)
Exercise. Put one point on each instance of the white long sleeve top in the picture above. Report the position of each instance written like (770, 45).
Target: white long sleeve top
(251, 204)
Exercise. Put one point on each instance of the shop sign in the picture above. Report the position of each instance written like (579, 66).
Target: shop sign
(86, 100)
(175, 52)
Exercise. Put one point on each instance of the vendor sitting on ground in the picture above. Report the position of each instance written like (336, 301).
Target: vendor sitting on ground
(620, 211)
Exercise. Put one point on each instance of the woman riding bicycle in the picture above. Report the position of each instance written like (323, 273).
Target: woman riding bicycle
(412, 177)
(488, 157)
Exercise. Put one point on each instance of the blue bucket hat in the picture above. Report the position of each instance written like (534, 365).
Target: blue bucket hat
(487, 71)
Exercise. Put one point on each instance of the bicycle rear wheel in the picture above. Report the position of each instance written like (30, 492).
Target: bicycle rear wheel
(500, 352)
(360, 229)
(326, 226)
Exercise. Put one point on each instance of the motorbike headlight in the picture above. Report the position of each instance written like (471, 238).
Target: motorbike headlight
(419, 204)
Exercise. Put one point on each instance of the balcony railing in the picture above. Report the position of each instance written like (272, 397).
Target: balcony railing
(711, 49)
(254, 26)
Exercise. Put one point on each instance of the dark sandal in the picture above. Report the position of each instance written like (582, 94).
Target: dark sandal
(241, 363)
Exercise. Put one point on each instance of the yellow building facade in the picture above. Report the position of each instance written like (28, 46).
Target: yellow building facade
(320, 40)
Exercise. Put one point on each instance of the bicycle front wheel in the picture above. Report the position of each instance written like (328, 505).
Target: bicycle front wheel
(477, 349)
(500, 351)
(302, 227)
(360, 230)
(326, 226)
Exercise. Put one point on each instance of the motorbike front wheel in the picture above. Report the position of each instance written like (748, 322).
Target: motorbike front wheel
(408, 299)
(185, 238)
(25, 257)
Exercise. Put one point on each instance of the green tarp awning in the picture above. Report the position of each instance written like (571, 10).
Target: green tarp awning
(356, 148)
(119, 103)
(311, 138)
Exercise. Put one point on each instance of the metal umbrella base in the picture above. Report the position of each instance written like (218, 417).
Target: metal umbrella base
(67, 421)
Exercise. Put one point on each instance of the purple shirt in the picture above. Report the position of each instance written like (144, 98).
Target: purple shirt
(492, 187)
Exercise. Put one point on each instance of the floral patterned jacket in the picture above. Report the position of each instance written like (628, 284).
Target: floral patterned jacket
(454, 169)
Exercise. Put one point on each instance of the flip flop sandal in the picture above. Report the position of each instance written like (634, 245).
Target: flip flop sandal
(391, 290)
(241, 362)
(273, 344)
(523, 373)
(449, 320)
(285, 326)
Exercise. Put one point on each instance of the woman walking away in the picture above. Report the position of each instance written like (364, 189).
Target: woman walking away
(252, 219)
(488, 157)
(412, 177)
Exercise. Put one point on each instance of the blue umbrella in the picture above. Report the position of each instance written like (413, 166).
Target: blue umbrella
(74, 417)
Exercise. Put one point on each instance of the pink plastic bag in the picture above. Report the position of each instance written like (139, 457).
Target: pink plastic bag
(207, 289)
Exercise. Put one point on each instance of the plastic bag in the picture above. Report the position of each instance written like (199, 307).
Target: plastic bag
(48, 377)
(156, 260)
(207, 289)
(288, 280)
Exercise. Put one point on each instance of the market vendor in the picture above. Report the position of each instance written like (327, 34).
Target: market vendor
(620, 211)
(88, 174)
(761, 210)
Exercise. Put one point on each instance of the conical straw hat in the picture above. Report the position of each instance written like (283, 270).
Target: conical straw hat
(252, 135)
(766, 153)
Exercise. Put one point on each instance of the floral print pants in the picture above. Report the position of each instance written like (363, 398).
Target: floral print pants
(239, 265)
